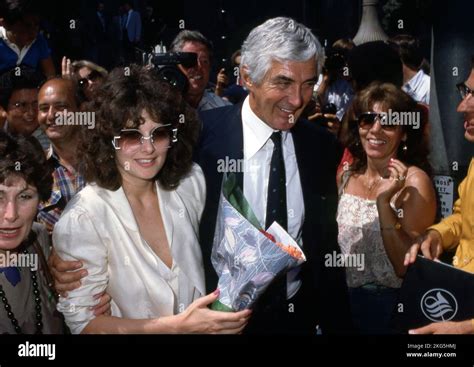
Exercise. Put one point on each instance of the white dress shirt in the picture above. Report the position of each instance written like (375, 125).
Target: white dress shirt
(418, 87)
(258, 150)
(98, 228)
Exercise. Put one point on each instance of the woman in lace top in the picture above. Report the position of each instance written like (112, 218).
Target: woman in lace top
(386, 199)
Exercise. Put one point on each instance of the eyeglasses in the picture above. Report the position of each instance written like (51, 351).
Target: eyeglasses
(92, 77)
(367, 119)
(162, 137)
(464, 90)
(23, 106)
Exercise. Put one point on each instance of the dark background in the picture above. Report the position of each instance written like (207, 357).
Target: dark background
(329, 19)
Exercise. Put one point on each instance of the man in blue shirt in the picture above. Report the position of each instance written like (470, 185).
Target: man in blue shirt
(20, 42)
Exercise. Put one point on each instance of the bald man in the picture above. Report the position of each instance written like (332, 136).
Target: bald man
(56, 97)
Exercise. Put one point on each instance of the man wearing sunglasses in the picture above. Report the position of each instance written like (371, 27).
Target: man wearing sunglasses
(457, 230)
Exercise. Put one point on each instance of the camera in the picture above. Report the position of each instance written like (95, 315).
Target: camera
(329, 109)
(335, 61)
(166, 66)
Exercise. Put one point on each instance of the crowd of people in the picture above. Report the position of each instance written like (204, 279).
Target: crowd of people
(109, 178)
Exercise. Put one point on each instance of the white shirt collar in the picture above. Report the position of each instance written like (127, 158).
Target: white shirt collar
(21, 53)
(3, 33)
(256, 132)
(415, 82)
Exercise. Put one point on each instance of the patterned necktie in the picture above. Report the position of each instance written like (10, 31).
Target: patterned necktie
(276, 198)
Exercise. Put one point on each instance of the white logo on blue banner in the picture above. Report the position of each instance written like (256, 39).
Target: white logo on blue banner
(439, 305)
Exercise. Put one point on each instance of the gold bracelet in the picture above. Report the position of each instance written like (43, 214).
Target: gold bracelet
(391, 228)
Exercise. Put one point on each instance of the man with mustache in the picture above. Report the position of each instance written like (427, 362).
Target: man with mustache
(198, 75)
(455, 231)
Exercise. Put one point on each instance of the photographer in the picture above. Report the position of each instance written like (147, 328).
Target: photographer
(334, 92)
(198, 75)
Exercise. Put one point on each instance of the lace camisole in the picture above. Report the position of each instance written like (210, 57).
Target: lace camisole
(360, 238)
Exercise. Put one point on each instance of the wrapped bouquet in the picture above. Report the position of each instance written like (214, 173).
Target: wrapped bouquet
(245, 256)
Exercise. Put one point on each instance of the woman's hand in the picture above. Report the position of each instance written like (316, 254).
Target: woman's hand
(198, 318)
(103, 307)
(66, 69)
(398, 174)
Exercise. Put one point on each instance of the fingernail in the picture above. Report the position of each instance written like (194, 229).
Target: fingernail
(216, 292)
(77, 266)
(83, 273)
(411, 332)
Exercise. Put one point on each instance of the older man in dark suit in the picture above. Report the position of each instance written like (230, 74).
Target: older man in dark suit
(288, 176)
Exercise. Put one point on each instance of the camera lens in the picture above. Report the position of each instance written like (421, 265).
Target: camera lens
(173, 76)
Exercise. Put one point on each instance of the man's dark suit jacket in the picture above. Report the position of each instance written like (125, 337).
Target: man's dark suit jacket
(323, 296)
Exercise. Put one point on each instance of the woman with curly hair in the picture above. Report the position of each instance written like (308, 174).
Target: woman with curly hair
(386, 199)
(27, 303)
(135, 225)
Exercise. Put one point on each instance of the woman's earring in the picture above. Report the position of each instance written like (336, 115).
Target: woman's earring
(405, 148)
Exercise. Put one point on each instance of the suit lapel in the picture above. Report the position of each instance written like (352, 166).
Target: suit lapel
(238, 145)
(301, 158)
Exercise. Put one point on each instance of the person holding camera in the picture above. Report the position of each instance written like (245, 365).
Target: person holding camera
(198, 75)
(334, 91)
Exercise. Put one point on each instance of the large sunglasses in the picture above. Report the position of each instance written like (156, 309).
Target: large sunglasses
(162, 137)
(92, 77)
(464, 90)
(367, 119)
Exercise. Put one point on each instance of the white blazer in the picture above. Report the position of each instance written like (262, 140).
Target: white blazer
(98, 227)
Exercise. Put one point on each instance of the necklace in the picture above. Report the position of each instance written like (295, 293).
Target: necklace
(374, 183)
(36, 295)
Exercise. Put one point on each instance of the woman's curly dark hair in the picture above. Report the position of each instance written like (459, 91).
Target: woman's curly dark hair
(23, 156)
(389, 97)
(120, 101)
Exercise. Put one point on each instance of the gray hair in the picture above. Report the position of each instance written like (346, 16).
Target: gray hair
(190, 36)
(281, 39)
